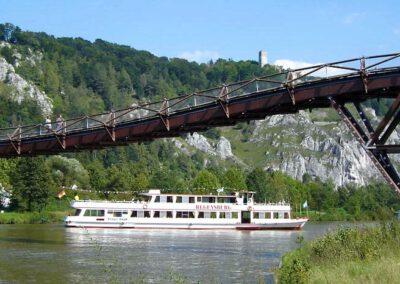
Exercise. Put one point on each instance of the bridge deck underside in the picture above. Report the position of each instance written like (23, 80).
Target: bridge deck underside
(250, 107)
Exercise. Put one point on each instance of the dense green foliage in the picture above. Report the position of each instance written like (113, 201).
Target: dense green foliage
(84, 78)
(31, 183)
(359, 246)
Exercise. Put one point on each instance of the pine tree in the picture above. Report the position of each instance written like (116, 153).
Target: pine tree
(31, 183)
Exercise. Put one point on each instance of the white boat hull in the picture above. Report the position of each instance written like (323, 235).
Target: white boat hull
(196, 212)
(288, 225)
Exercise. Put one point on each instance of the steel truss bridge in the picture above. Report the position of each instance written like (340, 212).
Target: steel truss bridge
(333, 85)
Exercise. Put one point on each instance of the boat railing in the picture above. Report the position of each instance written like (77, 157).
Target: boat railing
(108, 201)
(281, 203)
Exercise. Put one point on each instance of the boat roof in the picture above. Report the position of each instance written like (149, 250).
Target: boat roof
(152, 192)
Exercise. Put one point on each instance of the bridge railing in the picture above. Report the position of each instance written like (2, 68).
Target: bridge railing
(288, 79)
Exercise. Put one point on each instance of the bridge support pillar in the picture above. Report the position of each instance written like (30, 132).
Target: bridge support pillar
(377, 153)
(15, 140)
(164, 113)
(223, 99)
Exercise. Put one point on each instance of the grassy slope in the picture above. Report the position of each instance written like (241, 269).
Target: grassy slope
(384, 269)
(349, 255)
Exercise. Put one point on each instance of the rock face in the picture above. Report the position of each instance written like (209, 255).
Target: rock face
(298, 145)
(221, 149)
(23, 89)
(325, 151)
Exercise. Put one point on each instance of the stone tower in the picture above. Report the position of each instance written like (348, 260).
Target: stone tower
(262, 58)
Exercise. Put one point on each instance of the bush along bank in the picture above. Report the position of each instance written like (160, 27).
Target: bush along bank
(348, 255)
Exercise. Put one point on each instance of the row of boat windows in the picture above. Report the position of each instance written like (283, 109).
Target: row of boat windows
(184, 214)
(181, 214)
(193, 199)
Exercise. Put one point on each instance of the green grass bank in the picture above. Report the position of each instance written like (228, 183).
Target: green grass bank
(348, 255)
(32, 217)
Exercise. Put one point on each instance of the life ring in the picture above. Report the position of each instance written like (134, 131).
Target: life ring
(249, 208)
(145, 206)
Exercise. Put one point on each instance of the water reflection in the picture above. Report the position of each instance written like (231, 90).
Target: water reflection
(75, 255)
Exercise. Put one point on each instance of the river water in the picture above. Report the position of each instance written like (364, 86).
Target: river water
(54, 254)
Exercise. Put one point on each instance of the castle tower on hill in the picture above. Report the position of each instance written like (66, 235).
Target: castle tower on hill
(262, 58)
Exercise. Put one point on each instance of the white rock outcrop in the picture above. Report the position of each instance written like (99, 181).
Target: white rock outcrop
(23, 89)
(222, 148)
(323, 150)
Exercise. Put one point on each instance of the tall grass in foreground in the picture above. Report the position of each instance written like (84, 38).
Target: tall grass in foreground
(348, 255)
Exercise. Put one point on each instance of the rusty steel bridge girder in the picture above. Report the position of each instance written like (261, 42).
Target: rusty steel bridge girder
(281, 93)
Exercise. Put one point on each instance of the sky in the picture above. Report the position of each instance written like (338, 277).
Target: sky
(294, 33)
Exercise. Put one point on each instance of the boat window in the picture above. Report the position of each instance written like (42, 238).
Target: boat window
(256, 215)
(156, 214)
(286, 215)
(230, 200)
(261, 215)
(157, 199)
(184, 214)
(220, 200)
(235, 215)
(163, 199)
(200, 215)
(191, 199)
(198, 198)
(213, 215)
(91, 212)
(116, 213)
(276, 215)
(267, 215)
(207, 214)
(163, 214)
(140, 214)
(222, 215)
(147, 214)
(169, 214)
(208, 199)
(185, 199)
(134, 214)
(78, 212)
(169, 199)
(178, 199)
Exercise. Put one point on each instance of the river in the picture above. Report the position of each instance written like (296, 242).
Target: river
(54, 254)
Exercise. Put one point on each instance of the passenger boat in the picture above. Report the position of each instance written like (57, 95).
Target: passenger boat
(184, 211)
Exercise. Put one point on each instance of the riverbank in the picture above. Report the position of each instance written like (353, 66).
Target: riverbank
(32, 217)
(353, 255)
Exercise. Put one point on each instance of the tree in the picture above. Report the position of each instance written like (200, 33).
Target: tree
(32, 184)
(141, 182)
(234, 179)
(97, 176)
(166, 179)
(67, 172)
(257, 181)
(205, 182)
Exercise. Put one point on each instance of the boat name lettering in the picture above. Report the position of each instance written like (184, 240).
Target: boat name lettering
(213, 207)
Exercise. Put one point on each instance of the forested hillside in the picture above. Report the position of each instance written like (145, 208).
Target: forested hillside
(75, 77)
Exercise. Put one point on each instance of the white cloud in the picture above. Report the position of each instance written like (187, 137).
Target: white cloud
(324, 72)
(200, 56)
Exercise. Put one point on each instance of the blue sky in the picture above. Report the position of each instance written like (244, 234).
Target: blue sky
(296, 31)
